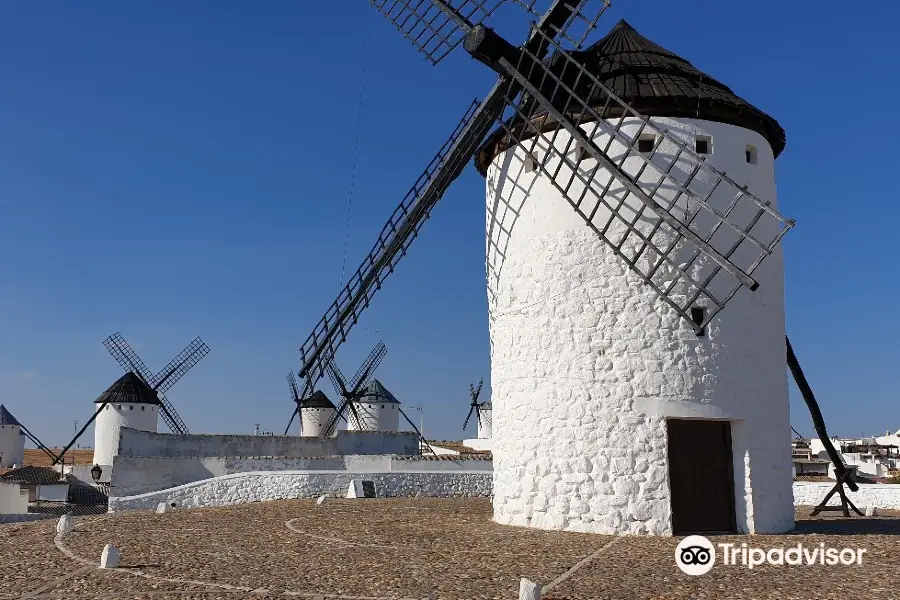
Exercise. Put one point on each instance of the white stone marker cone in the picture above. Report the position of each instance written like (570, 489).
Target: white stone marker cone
(65, 525)
(163, 507)
(110, 557)
(871, 511)
(529, 590)
(320, 500)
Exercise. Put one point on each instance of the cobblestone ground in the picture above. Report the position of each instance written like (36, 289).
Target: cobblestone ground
(412, 548)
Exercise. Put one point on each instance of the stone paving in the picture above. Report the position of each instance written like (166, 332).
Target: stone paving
(411, 548)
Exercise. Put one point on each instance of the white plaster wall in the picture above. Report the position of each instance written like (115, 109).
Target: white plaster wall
(314, 421)
(112, 419)
(817, 448)
(13, 499)
(375, 417)
(878, 495)
(136, 443)
(485, 422)
(486, 444)
(53, 493)
(263, 486)
(587, 362)
(12, 446)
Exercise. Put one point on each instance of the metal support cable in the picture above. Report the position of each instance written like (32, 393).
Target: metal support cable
(362, 88)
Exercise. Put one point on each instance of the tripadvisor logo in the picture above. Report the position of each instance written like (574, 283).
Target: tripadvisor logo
(695, 555)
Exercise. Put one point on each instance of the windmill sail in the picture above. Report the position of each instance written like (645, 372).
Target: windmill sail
(397, 235)
(435, 28)
(689, 231)
(406, 221)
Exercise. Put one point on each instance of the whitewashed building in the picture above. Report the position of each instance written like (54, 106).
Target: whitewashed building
(12, 441)
(130, 403)
(872, 457)
(610, 414)
(315, 413)
(377, 408)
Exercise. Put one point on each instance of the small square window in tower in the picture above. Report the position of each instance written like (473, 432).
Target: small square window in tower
(528, 165)
(646, 142)
(703, 144)
(698, 313)
(750, 154)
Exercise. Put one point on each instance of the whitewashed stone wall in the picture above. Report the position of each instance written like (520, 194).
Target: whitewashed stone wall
(263, 486)
(133, 476)
(878, 495)
(588, 363)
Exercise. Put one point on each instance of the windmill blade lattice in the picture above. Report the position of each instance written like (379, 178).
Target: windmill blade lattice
(473, 404)
(178, 366)
(364, 374)
(422, 439)
(127, 357)
(163, 381)
(397, 235)
(297, 398)
(436, 27)
(688, 230)
(171, 417)
(577, 26)
(351, 391)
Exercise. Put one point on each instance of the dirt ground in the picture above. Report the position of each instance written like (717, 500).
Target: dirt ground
(413, 548)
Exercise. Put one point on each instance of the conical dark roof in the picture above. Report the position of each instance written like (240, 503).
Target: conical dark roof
(6, 417)
(317, 400)
(658, 83)
(129, 388)
(376, 393)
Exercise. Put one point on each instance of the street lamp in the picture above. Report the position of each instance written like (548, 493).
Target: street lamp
(96, 472)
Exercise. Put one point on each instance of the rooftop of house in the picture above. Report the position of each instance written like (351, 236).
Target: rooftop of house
(32, 475)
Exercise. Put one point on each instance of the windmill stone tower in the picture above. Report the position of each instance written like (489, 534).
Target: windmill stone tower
(12, 440)
(129, 403)
(377, 410)
(630, 198)
(613, 414)
(315, 413)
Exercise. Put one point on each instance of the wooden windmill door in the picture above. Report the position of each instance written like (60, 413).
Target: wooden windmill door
(701, 476)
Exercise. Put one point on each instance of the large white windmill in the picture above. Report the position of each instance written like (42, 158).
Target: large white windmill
(630, 198)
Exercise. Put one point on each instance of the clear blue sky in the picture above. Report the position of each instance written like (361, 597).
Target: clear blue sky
(174, 169)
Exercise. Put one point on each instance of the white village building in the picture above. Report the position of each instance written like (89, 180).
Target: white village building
(872, 457)
(611, 415)
(12, 441)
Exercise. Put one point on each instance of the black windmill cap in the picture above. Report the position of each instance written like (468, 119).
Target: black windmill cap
(131, 389)
(376, 393)
(317, 400)
(7, 418)
(656, 82)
